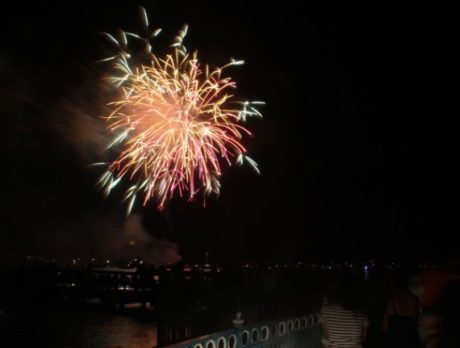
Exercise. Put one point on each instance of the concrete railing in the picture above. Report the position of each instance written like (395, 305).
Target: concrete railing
(300, 332)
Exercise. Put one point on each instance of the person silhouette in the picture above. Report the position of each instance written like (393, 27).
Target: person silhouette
(344, 323)
(401, 314)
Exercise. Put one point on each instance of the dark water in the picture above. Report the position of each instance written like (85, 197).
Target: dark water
(76, 326)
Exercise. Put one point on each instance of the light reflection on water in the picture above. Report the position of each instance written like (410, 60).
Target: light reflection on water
(117, 331)
(77, 328)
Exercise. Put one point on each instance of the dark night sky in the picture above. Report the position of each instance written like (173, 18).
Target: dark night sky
(350, 150)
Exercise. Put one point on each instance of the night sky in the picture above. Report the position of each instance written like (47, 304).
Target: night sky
(349, 149)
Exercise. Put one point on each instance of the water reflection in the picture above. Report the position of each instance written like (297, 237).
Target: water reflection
(84, 327)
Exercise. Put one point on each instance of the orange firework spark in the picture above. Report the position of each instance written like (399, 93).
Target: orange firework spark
(174, 122)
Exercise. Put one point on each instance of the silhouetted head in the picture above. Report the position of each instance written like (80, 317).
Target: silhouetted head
(400, 279)
(346, 290)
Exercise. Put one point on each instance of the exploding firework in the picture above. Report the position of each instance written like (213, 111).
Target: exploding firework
(173, 123)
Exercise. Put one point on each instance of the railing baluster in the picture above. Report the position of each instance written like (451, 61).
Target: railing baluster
(290, 333)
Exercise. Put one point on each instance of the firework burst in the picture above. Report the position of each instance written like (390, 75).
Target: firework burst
(174, 122)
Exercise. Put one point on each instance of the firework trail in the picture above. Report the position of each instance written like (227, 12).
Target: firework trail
(173, 123)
